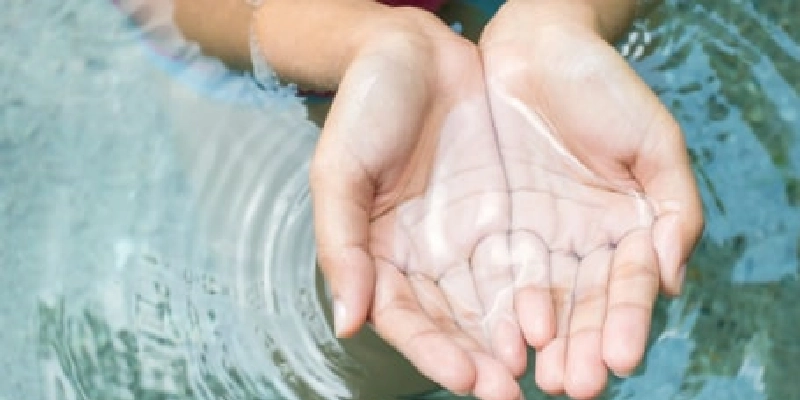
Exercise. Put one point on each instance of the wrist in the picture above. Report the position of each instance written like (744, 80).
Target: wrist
(312, 42)
(397, 30)
(409, 36)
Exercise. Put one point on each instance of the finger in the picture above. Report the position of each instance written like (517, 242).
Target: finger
(458, 285)
(492, 379)
(357, 145)
(494, 282)
(399, 319)
(586, 373)
(632, 291)
(664, 171)
(435, 304)
(533, 223)
(342, 195)
(494, 382)
(551, 360)
(674, 237)
(532, 301)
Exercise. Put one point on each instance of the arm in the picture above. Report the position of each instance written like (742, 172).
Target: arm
(221, 27)
(310, 42)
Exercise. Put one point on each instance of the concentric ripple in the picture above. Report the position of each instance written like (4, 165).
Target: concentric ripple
(155, 235)
(182, 207)
(253, 294)
(256, 326)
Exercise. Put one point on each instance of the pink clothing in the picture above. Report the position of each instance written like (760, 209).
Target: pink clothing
(430, 5)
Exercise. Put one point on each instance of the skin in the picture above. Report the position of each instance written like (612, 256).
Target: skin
(625, 210)
(407, 101)
(471, 200)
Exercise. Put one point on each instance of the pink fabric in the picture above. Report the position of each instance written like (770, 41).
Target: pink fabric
(430, 5)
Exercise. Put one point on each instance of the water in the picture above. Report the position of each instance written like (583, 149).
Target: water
(156, 243)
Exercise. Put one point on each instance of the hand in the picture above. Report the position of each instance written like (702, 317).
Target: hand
(604, 205)
(407, 185)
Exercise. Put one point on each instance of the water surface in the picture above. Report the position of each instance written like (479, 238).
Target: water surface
(155, 229)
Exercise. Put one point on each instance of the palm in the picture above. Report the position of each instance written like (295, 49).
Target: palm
(412, 133)
(576, 134)
(445, 231)
(461, 223)
(523, 214)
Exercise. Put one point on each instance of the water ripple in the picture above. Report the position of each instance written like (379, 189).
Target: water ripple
(253, 258)
(185, 220)
(156, 239)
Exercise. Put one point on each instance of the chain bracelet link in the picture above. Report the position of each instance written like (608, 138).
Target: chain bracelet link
(263, 74)
(254, 3)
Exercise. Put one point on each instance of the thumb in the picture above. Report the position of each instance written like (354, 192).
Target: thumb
(363, 133)
(342, 198)
(664, 170)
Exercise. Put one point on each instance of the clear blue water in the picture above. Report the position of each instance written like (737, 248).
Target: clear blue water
(154, 221)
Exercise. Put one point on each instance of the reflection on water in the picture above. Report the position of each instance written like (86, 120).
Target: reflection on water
(156, 240)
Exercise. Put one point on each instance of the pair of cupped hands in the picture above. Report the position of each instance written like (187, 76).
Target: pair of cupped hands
(473, 200)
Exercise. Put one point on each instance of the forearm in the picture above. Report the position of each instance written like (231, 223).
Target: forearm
(310, 42)
(220, 27)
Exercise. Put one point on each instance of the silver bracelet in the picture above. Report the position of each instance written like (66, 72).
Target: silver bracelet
(254, 3)
(263, 74)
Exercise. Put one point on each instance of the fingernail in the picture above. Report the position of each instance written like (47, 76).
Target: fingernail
(339, 315)
(666, 238)
(681, 277)
(622, 375)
